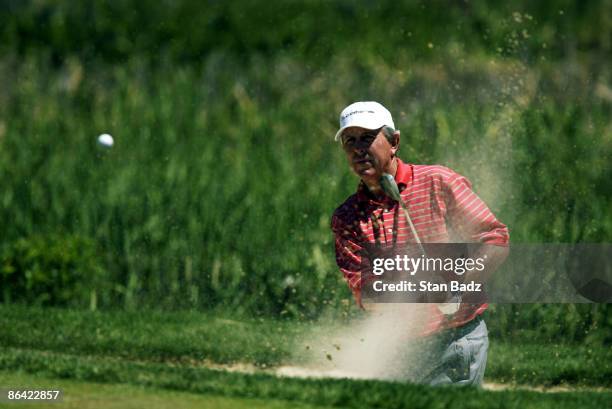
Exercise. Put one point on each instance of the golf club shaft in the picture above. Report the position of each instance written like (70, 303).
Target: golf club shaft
(389, 186)
(412, 228)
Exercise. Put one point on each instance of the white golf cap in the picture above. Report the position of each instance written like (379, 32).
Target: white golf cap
(364, 114)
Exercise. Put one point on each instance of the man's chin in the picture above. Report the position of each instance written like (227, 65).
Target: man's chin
(369, 176)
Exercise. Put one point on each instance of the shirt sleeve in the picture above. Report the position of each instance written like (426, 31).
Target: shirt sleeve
(470, 217)
(350, 256)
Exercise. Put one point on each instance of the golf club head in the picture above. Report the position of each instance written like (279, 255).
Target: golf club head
(387, 182)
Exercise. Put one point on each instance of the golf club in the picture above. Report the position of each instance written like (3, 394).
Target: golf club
(389, 186)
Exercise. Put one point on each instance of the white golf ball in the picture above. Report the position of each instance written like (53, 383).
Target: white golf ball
(106, 140)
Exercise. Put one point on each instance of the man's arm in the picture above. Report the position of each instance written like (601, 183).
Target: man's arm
(471, 218)
(349, 256)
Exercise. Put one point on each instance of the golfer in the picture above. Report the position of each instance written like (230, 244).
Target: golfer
(443, 209)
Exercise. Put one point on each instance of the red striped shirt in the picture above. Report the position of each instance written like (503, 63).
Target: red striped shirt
(443, 208)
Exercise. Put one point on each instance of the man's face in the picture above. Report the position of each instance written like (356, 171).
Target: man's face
(369, 153)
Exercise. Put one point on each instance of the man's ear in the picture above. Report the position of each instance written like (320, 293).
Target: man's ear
(396, 142)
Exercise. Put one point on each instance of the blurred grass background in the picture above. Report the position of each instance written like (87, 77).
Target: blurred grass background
(219, 190)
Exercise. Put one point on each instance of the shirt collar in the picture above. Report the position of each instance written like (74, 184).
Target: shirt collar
(403, 178)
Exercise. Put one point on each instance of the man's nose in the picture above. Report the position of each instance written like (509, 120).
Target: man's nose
(361, 148)
(360, 151)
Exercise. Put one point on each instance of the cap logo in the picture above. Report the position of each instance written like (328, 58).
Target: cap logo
(357, 112)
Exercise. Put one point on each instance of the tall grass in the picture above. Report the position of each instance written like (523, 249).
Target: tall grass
(224, 175)
(223, 179)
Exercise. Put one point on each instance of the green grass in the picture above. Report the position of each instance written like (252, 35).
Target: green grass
(198, 338)
(219, 190)
(224, 176)
(149, 336)
(328, 392)
(549, 364)
(218, 193)
(90, 395)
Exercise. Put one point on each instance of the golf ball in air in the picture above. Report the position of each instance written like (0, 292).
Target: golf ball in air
(105, 140)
